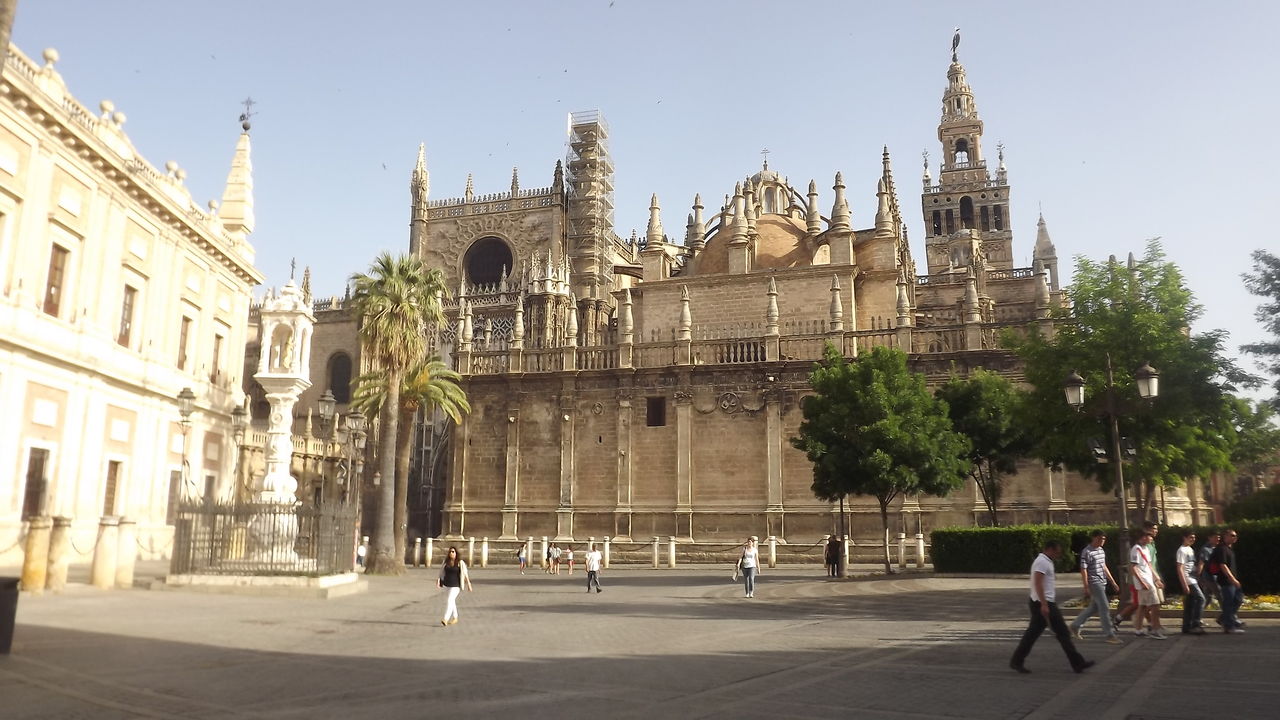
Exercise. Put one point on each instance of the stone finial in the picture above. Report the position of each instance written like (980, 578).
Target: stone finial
(467, 328)
(837, 307)
(654, 235)
(1042, 293)
(771, 308)
(517, 324)
(739, 233)
(688, 231)
(515, 182)
(972, 311)
(840, 215)
(470, 191)
(699, 231)
(626, 321)
(904, 301)
(571, 323)
(557, 184)
(813, 218)
(884, 214)
(306, 283)
(686, 317)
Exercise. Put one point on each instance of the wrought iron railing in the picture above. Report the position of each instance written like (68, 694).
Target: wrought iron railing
(255, 538)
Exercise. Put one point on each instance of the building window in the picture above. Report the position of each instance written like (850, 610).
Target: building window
(966, 212)
(487, 261)
(655, 412)
(937, 221)
(53, 289)
(951, 221)
(986, 218)
(126, 315)
(175, 494)
(210, 487)
(340, 377)
(33, 496)
(962, 147)
(113, 482)
(998, 211)
(217, 359)
(184, 339)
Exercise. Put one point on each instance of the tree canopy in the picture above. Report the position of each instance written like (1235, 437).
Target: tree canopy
(986, 409)
(872, 428)
(1264, 282)
(1133, 315)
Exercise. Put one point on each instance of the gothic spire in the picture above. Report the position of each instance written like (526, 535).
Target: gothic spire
(419, 189)
(654, 235)
(813, 218)
(840, 215)
(237, 198)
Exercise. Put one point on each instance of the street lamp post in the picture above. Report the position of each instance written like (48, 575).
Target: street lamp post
(186, 407)
(239, 425)
(1147, 380)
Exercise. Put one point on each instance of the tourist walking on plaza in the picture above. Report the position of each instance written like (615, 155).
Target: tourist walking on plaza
(1149, 585)
(1223, 564)
(568, 557)
(1153, 530)
(453, 575)
(1192, 598)
(831, 555)
(555, 559)
(522, 559)
(595, 561)
(749, 565)
(1096, 576)
(1209, 583)
(1045, 613)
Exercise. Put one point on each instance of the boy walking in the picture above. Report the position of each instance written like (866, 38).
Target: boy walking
(1096, 577)
(594, 562)
(1192, 598)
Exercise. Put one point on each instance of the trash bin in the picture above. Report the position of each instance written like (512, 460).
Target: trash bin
(8, 611)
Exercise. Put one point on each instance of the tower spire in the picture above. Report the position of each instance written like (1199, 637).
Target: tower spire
(840, 215)
(237, 198)
(419, 189)
(654, 235)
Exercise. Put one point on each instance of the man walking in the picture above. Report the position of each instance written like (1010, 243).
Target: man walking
(1192, 598)
(594, 561)
(1223, 562)
(1209, 583)
(1096, 577)
(1148, 584)
(1045, 613)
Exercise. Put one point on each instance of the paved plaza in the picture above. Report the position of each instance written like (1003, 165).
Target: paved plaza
(679, 643)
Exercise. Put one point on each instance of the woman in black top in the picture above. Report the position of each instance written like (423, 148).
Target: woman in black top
(453, 575)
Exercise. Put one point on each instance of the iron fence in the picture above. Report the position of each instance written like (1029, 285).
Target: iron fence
(255, 538)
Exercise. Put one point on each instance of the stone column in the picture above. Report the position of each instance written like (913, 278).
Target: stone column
(684, 464)
(564, 512)
(104, 553)
(622, 511)
(511, 493)
(126, 552)
(59, 545)
(35, 561)
(456, 504)
(773, 469)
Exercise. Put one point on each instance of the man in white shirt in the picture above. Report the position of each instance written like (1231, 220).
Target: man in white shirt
(1148, 584)
(594, 561)
(1045, 613)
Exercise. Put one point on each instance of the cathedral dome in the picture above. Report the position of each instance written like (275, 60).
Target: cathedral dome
(781, 244)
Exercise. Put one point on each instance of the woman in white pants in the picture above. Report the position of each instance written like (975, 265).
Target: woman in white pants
(749, 564)
(453, 575)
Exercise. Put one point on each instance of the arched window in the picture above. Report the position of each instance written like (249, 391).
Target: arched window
(962, 151)
(937, 222)
(768, 202)
(951, 221)
(998, 211)
(486, 261)
(339, 376)
(986, 218)
(966, 212)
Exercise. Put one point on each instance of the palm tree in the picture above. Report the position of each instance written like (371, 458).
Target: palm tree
(429, 385)
(395, 300)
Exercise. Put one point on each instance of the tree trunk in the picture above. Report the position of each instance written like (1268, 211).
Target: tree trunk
(383, 560)
(987, 488)
(404, 448)
(884, 522)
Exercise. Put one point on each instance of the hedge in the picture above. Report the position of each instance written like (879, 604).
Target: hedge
(1010, 550)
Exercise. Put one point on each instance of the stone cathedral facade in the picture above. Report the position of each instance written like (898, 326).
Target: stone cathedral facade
(633, 387)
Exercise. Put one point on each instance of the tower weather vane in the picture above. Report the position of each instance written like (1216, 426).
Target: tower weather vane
(955, 43)
(248, 103)
(765, 153)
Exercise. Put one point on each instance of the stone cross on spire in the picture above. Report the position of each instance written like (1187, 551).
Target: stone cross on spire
(765, 153)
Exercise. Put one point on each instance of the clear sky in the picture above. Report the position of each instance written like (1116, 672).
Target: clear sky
(1123, 120)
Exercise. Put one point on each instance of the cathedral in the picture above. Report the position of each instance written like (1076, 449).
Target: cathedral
(633, 387)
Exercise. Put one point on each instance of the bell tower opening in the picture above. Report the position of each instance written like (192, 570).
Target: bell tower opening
(487, 261)
(966, 212)
(962, 151)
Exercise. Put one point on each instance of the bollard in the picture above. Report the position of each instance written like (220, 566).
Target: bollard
(671, 552)
(605, 564)
(528, 552)
(430, 552)
(902, 549)
(484, 552)
(35, 560)
(656, 540)
(844, 544)
(773, 551)
(417, 551)
(919, 550)
(471, 551)
(544, 561)
(104, 553)
(59, 544)
(126, 552)
(591, 543)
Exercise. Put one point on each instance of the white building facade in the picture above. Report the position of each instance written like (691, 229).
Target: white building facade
(116, 292)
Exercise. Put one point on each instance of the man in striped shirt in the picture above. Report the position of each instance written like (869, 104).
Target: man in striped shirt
(1096, 577)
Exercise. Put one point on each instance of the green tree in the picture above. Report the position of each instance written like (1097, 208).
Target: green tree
(429, 385)
(872, 428)
(1264, 282)
(1257, 445)
(395, 300)
(1133, 315)
(986, 408)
